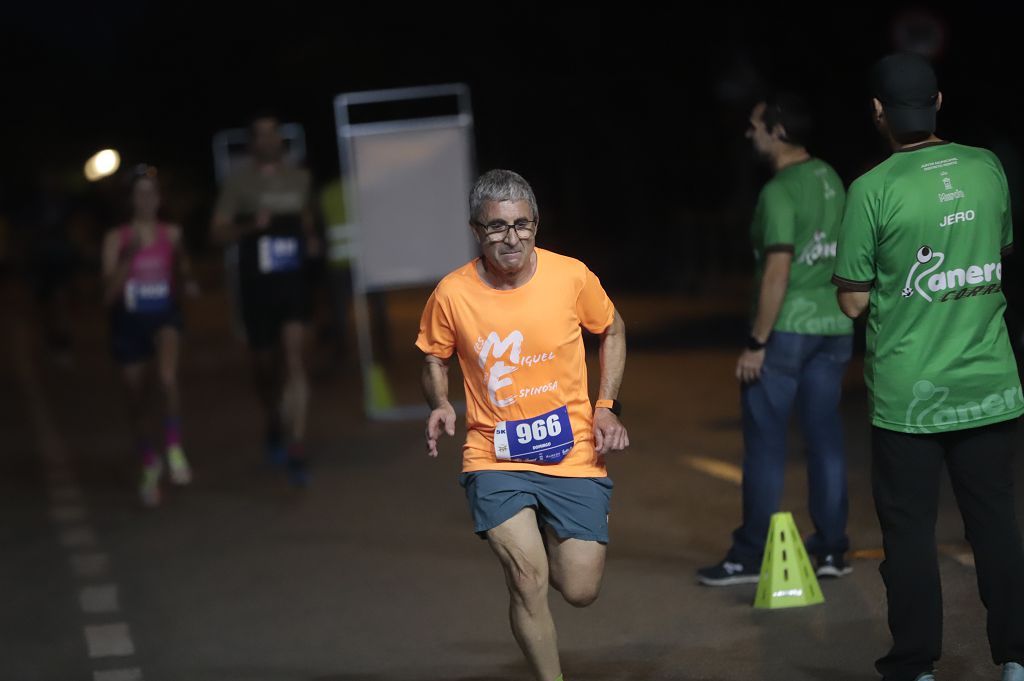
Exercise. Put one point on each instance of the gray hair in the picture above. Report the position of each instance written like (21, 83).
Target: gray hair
(500, 185)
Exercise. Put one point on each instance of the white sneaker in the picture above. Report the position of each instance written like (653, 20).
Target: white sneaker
(180, 471)
(149, 486)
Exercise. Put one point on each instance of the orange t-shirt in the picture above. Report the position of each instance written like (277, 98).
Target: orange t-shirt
(522, 357)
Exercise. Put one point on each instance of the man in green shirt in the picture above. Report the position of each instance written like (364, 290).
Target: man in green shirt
(920, 247)
(799, 346)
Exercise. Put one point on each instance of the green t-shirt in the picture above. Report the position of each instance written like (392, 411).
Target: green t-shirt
(799, 211)
(925, 232)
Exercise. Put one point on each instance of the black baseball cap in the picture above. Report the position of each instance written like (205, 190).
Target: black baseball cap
(906, 85)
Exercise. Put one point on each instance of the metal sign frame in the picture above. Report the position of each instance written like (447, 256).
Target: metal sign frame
(347, 131)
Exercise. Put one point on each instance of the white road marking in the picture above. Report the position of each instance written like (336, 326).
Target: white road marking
(65, 494)
(90, 565)
(78, 538)
(68, 514)
(134, 674)
(715, 468)
(109, 640)
(99, 599)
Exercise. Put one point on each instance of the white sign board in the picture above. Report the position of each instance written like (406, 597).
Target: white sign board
(411, 190)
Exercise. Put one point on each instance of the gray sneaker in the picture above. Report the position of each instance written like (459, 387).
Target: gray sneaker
(1012, 671)
(832, 565)
(728, 573)
(927, 676)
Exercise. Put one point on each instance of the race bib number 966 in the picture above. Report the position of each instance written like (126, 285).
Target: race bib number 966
(544, 439)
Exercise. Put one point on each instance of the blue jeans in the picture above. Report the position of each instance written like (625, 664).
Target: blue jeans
(805, 371)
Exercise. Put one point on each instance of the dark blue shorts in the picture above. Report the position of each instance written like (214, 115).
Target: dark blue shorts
(575, 508)
(269, 302)
(133, 335)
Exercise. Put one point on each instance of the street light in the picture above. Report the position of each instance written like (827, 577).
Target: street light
(103, 164)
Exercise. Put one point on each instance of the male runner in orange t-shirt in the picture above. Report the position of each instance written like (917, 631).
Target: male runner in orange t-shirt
(533, 462)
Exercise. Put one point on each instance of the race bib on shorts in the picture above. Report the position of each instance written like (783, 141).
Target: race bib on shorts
(543, 439)
(147, 297)
(279, 254)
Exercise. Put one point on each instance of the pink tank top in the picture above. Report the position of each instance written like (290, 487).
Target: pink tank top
(150, 284)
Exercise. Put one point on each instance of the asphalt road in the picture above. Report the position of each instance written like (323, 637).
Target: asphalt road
(373, 574)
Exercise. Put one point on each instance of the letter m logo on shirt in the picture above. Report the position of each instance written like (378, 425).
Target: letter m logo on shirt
(496, 348)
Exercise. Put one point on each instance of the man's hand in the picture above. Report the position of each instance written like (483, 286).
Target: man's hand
(440, 420)
(749, 365)
(609, 433)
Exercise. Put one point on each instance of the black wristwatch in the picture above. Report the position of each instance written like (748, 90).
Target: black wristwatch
(754, 344)
(614, 406)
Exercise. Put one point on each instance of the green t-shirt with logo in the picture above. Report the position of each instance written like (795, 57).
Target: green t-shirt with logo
(799, 211)
(925, 232)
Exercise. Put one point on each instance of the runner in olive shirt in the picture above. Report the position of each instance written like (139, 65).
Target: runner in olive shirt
(798, 350)
(921, 245)
(265, 207)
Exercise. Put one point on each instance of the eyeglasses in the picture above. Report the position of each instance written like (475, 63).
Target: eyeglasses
(498, 230)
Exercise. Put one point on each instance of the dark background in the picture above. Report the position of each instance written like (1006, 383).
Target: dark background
(628, 121)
